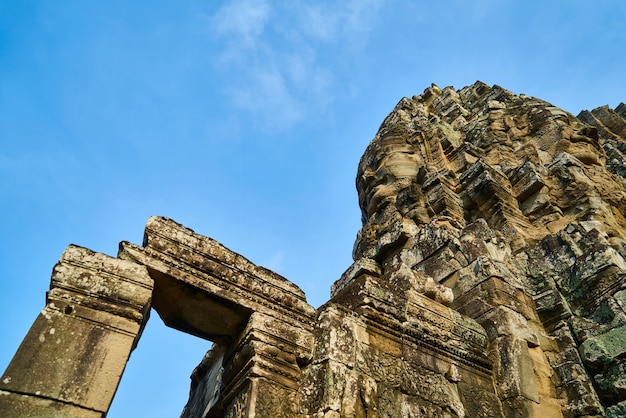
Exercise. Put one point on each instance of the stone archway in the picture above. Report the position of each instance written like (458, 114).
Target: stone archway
(489, 281)
(72, 359)
(260, 322)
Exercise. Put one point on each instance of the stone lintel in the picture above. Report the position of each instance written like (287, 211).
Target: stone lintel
(261, 322)
(73, 357)
(216, 289)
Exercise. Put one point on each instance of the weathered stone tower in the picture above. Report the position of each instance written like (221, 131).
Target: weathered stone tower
(489, 280)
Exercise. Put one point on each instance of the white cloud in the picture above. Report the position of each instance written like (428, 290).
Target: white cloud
(317, 22)
(337, 21)
(244, 20)
(279, 59)
(265, 93)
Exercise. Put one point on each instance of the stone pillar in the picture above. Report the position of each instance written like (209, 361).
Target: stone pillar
(261, 377)
(256, 376)
(72, 359)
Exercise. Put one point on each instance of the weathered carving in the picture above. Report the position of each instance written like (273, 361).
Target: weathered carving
(260, 320)
(489, 281)
(506, 200)
(71, 361)
(195, 274)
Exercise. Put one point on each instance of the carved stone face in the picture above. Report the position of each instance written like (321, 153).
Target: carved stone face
(396, 170)
(387, 174)
(480, 153)
(394, 167)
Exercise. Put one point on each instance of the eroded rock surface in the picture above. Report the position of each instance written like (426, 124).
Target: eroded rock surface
(488, 281)
(516, 207)
(71, 361)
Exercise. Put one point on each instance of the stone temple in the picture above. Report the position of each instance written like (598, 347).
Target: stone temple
(489, 280)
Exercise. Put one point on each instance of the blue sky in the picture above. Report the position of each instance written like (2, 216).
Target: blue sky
(245, 121)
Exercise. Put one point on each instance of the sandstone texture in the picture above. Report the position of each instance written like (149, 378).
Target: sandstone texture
(489, 280)
(509, 211)
(71, 361)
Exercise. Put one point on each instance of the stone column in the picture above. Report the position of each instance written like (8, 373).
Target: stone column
(261, 376)
(72, 359)
(256, 376)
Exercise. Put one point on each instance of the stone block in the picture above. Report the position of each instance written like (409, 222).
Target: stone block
(580, 399)
(523, 408)
(551, 305)
(394, 403)
(433, 387)
(494, 292)
(359, 268)
(323, 386)
(271, 400)
(611, 383)
(545, 377)
(482, 269)
(381, 365)
(514, 369)
(441, 265)
(597, 352)
(479, 402)
(16, 405)
(336, 336)
(570, 371)
(616, 411)
(503, 321)
(360, 398)
(526, 181)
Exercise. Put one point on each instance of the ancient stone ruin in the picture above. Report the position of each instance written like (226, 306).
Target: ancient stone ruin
(488, 281)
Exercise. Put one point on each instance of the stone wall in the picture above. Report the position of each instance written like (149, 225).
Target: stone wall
(518, 208)
(488, 281)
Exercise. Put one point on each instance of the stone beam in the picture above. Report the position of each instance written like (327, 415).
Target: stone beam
(72, 359)
(205, 289)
